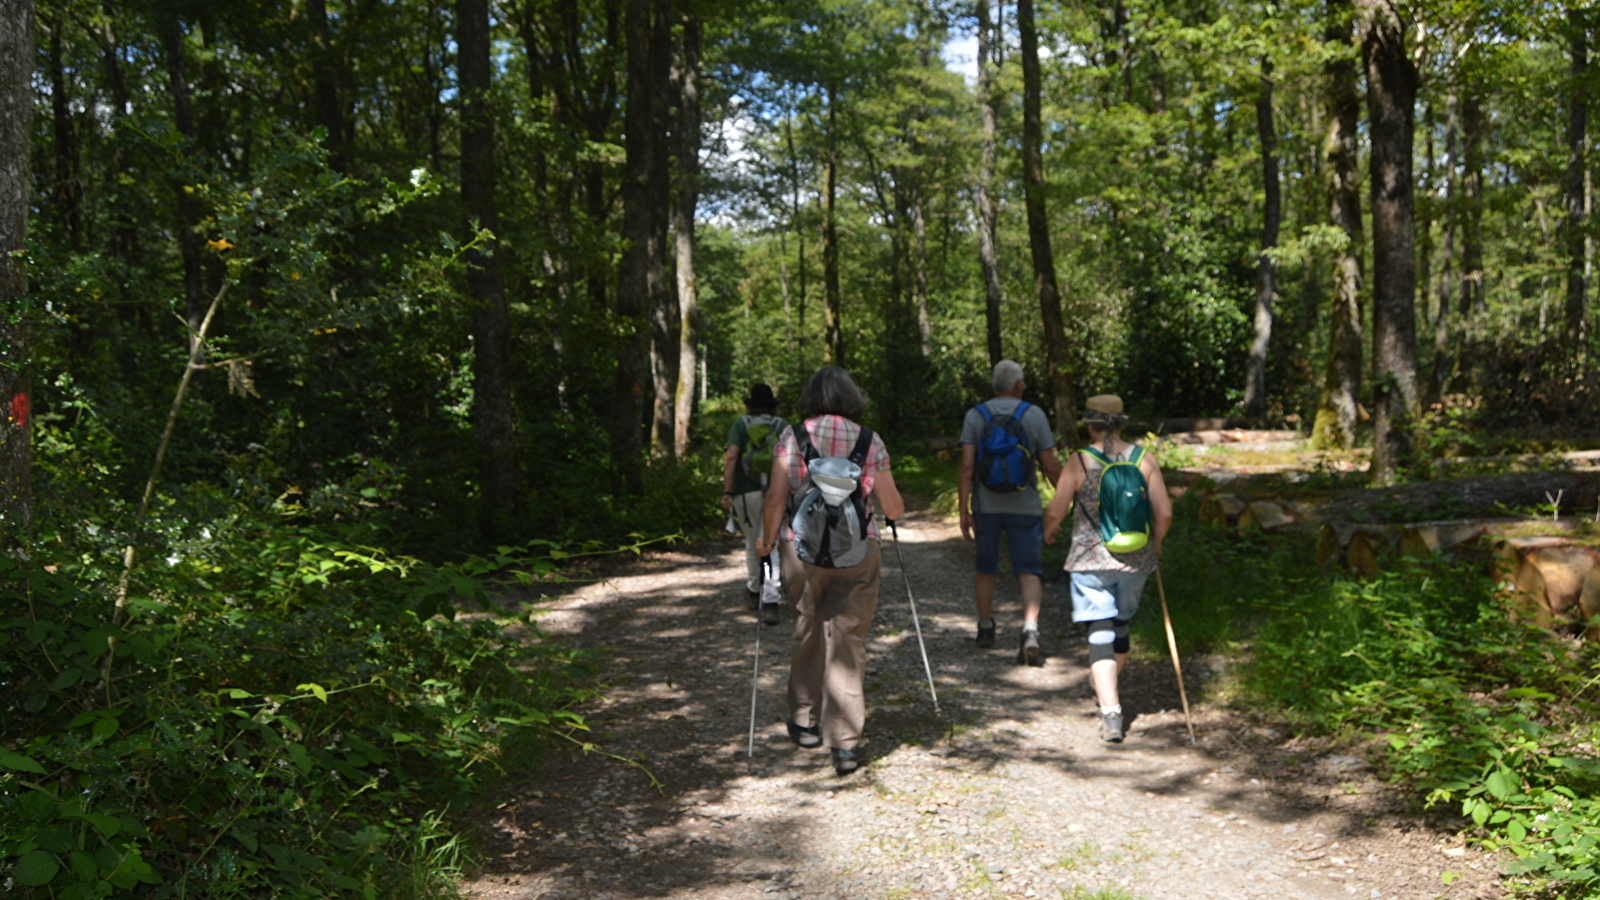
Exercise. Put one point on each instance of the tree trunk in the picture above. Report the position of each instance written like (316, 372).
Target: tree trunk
(919, 272)
(832, 330)
(492, 411)
(325, 83)
(194, 288)
(1574, 188)
(1473, 299)
(663, 291)
(994, 291)
(1335, 427)
(799, 229)
(1255, 390)
(1391, 101)
(16, 128)
(1442, 362)
(68, 191)
(641, 267)
(683, 231)
(1044, 264)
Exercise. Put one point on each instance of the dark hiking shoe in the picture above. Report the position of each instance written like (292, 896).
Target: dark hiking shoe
(846, 762)
(1111, 727)
(807, 736)
(769, 614)
(1029, 653)
(985, 635)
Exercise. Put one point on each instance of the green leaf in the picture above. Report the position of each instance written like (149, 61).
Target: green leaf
(1502, 783)
(106, 825)
(20, 763)
(1517, 832)
(105, 728)
(316, 689)
(36, 868)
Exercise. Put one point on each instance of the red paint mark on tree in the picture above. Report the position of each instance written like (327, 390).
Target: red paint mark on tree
(20, 410)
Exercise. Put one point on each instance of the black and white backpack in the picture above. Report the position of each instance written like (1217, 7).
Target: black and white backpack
(830, 512)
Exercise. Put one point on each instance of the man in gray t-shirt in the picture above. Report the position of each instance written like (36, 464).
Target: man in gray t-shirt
(985, 513)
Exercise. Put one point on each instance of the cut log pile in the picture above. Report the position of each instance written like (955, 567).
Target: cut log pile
(1548, 566)
(1556, 579)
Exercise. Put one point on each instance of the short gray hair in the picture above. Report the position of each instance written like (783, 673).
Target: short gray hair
(1007, 372)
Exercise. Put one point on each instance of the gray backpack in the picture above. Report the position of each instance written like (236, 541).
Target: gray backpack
(831, 513)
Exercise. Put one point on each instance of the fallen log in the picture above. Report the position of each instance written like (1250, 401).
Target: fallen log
(1353, 546)
(1268, 516)
(1221, 510)
(1459, 498)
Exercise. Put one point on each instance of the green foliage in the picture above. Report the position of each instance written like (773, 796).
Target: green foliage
(277, 715)
(1476, 711)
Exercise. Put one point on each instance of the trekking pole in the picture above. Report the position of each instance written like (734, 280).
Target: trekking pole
(755, 674)
(914, 620)
(1172, 644)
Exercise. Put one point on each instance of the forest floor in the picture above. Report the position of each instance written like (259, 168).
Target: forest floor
(1007, 792)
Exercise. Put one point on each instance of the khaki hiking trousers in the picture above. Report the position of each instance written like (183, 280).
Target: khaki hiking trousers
(827, 680)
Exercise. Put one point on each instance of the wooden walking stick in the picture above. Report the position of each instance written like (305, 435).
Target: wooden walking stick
(1172, 644)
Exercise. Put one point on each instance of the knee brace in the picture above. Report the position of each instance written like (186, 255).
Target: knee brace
(1102, 640)
(1120, 628)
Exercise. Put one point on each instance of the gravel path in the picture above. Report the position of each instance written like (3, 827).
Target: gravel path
(1008, 793)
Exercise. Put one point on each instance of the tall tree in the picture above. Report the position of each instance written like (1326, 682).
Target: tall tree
(688, 82)
(1575, 187)
(663, 292)
(1044, 264)
(1473, 290)
(1335, 426)
(189, 212)
(1447, 256)
(492, 413)
(832, 327)
(1255, 390)
(325, 80)
(988, 257)
(1391, 103)
(16, 127)
(641, 273)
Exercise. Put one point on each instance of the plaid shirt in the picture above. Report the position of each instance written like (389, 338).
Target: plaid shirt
(832, 436)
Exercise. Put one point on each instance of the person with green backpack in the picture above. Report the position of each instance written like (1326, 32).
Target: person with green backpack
(746, 467)
(1121, 513)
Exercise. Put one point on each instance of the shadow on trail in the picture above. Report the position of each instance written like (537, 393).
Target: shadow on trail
(676, 659)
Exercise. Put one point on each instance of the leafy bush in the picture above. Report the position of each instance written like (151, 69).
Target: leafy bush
(1473, 707)
(279, 713)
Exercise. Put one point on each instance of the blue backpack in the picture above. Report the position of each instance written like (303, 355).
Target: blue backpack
(1005, 455)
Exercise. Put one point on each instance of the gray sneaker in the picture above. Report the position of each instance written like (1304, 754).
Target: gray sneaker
(1029, 653)
(1111, 727)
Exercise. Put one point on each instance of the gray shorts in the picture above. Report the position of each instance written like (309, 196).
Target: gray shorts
(1106, 594)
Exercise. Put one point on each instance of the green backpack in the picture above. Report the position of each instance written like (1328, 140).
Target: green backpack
(762, 438)
(1124, 502)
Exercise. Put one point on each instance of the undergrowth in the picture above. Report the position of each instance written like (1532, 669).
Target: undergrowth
(1474, 709)
(279, 713)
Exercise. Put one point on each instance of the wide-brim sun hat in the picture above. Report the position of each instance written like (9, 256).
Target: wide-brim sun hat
(1104, 409)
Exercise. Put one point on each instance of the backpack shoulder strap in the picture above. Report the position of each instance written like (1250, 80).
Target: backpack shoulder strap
(858, 453)
(1022, 407)
(802, 437)
(1137, 455)
(1097, 455)
(983, 410)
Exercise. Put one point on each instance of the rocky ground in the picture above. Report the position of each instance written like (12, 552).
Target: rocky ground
(1007, 791)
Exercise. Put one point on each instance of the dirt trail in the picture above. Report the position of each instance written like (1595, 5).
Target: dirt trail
(1008, 793)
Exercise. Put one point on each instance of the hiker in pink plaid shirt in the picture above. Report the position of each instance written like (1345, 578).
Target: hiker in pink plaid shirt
(834, 609)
